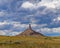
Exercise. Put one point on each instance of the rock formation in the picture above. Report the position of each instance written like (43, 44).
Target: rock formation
(30, 32)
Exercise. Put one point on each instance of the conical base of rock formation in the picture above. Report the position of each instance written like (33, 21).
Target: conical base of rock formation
(30, 32)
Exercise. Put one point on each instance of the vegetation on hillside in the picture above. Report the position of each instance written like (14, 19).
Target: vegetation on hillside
(29, 42)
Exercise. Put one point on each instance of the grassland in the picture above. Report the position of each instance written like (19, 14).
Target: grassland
(29, 42)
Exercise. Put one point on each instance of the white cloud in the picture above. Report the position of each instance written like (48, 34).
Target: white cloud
(20, 26)
(16, 25)
(41, 30)
(56, 20)
(28, 5)
(2, 33)
(33, 20)
(9, 22)
(44, 30)
(4, 23)
(49, 30)
(8, 32)
(3, 13)
(56, 30)
(14, 33)
(47, 3)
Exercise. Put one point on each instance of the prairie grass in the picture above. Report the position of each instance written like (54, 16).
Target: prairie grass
(29, 42)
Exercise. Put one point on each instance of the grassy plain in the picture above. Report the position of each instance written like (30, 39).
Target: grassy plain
(29, 42)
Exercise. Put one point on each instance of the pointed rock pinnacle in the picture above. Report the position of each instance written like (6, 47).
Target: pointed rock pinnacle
(30, 26)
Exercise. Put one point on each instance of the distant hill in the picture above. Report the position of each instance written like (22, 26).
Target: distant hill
(30, 32)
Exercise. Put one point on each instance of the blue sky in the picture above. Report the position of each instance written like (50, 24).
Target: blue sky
(43, 15)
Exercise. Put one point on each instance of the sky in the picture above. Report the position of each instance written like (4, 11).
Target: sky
(43, 15)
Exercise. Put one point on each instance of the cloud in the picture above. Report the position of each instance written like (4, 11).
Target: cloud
(27, 5)
(49, 30)
(2, 32)
(57, 30)
(4, 23)
(15, 15)
(3, 13)
(17, 28)
(8, 32)
(47, 3)
(56, 19)
(14, 28)
(14, 33)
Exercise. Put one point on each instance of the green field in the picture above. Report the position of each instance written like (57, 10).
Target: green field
(29, 42)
